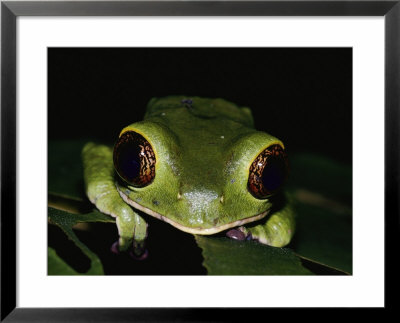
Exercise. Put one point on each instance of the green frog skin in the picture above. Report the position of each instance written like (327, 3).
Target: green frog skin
(197, 164)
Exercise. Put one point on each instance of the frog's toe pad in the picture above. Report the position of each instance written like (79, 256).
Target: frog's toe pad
(142, 256)
(236, 234)
(114, 248)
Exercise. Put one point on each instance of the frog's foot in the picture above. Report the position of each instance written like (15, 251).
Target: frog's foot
(276, 230)
(137, 252)
(239, 234)
(132, 230)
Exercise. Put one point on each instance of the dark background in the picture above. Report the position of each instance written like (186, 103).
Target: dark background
(301, 95)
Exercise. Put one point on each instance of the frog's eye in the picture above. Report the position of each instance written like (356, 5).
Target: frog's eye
(268, 172)
(134, 159)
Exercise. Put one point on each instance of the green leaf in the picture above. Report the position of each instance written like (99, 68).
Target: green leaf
(323, 190)
(66, 221)
(323, 236)
(57, 266)
(223, 256)
(63, 218)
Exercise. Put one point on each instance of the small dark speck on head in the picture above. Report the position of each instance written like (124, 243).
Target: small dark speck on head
(155, 202)
(233, 180)
(127, 192)
(187, 102)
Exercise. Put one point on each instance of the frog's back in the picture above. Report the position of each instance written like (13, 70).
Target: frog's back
(199, 108)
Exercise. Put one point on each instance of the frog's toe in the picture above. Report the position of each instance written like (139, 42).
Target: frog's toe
(115, 248)
(139, 256)
(239, 234)
(138, 251)
(236, 234)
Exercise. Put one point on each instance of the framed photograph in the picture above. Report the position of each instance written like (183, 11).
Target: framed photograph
(180, 154)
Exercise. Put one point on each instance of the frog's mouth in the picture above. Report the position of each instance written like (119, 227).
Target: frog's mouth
(193, 230)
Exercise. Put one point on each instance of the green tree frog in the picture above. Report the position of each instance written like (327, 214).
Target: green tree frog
(197, 164)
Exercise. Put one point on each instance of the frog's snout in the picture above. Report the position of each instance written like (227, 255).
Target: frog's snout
(200, 199)
(202, 204)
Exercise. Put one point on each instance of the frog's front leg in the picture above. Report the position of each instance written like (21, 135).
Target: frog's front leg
(101, 191)
(276, 229)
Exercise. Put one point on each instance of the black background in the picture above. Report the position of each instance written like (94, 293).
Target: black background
(301, 95)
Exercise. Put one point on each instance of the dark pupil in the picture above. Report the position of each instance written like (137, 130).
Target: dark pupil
(274, 174)
(129, 160)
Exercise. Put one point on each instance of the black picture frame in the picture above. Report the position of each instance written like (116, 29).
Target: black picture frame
(10, 10)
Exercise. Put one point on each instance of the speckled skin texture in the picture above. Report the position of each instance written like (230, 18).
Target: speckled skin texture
(203, 149)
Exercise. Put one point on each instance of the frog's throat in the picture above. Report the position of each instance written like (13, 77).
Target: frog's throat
(203, 231)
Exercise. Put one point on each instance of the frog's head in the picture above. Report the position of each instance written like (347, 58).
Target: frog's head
(201, 180)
